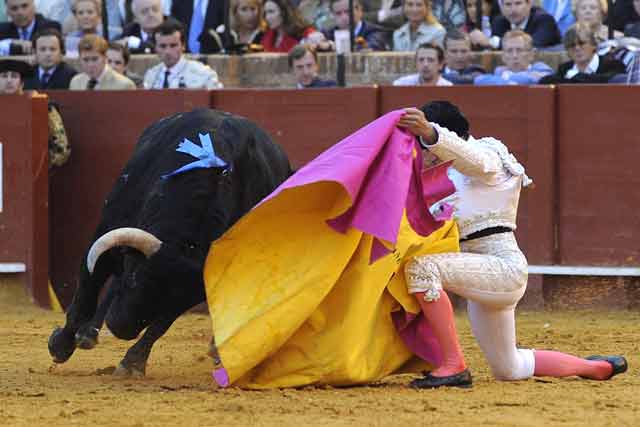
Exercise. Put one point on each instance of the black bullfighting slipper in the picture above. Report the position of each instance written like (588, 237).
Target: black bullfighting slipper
(461, 379)
(618, 364)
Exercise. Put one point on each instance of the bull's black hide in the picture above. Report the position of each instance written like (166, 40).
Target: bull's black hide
(186, 212)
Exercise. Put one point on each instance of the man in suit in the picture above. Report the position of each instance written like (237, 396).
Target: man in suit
(16, 36)
(52, 72)
(521, 15)
(367, 35)
(459, 68)
(202, 19)
(303, 61)
(97, 75)
(139, 34)
(176, 71)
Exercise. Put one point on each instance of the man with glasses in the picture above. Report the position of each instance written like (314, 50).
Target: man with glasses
(518, 69)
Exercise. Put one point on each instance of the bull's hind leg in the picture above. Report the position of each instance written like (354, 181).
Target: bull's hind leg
(62, 342)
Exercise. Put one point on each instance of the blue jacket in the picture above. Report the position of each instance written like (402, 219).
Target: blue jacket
(502, 76)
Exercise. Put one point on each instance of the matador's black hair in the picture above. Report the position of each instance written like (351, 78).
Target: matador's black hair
(448, 115)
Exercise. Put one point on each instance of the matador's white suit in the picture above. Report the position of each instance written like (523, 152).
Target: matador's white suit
(490, 271)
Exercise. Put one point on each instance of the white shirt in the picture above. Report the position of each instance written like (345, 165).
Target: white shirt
(592, 67)
(416, 80)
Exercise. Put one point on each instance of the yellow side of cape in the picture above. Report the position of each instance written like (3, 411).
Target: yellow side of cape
(294, 302)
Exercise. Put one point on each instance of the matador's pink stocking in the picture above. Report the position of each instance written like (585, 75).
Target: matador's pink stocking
(556, 364)
(439, 314)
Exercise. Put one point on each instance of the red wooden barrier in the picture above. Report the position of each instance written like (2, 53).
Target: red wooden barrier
(524, 119)
(24, 213)
(598, 156)
(304, 122)
(103, 128)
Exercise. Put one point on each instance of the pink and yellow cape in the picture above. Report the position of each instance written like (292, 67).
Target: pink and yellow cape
(302, 289)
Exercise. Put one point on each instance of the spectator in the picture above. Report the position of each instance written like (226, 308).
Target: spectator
(479, 34)
(303, 61)
(519, 69)
(452, 14)
(367, 35)
(632, 29)
(176, 71)
(96, 74)
(521, 15)
(562, 12)
(422, 27)
(429, 63)
(203, 20)
(457, 55)
(12, 76)
(585, 65)
(118, 56)
(247, 23)
(286, 26)
(16, 36)
(138, 35)
(51, 71)
(386, 13)
(88, 15)
(594, 12)
(318, 13)
(624, 13)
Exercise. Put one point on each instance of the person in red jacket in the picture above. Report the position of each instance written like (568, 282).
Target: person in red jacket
(286, 26)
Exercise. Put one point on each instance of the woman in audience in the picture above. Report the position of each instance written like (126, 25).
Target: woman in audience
(594, 12)
(479, 33)
(585, 66)
(422, 27)
(87, 14)
(286, 27)
(451, 14)
(247, 25)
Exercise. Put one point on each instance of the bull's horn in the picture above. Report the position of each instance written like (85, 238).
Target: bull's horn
(136, 238)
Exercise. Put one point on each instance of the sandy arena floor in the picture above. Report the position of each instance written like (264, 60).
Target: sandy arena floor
(178, 389)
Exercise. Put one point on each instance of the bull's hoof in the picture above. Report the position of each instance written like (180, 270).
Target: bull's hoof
(61, 345)
(87, 338)
(125, 371)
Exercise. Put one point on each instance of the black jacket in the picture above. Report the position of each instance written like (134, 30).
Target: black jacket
(377, 37)
(8, 30)
(133, 29)
(183, 10)
(317, 83)
(607, 68)
(60, 78)
(541, 27)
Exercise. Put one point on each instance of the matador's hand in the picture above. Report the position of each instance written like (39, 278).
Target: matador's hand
(415, 122)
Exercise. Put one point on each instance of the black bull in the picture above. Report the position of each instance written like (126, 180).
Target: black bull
(155, 231)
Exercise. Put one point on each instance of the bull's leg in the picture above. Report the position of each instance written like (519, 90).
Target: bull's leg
(87, 335)
(62, 342)
(134, 363)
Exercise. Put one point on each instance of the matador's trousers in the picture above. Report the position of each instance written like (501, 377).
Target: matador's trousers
(491, 273)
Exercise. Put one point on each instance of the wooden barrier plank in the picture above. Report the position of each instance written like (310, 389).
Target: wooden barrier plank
(304, 122)
(24, 214)
(103, 128)
(524, 119)
(598, 152)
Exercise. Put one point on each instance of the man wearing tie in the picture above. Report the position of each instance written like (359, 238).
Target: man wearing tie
(97, 75)
(52, 72)
(176, 71)
(16, 36)
(202, 19)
